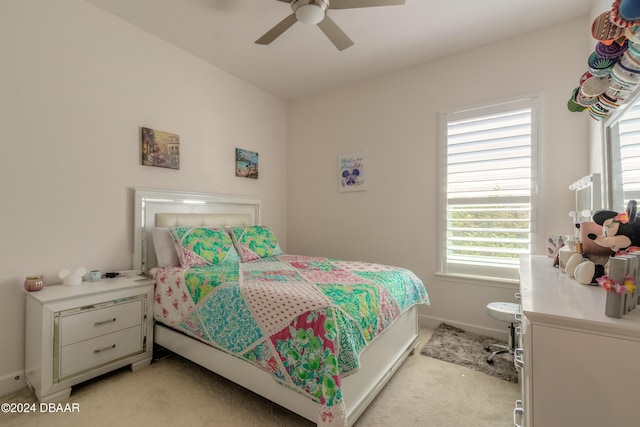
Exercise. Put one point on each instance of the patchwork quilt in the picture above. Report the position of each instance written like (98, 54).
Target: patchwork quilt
(304, 320)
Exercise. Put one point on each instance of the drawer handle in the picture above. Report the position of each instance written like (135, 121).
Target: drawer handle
(518, 316)
(104, 322)
(518, 358)
(100, 350)
(518, 412)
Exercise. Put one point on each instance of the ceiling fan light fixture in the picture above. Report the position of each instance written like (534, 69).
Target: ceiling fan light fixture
(314, 12)
(310, 12)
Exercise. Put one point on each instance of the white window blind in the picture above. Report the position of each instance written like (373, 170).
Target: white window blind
(629, 162)
(489, 187)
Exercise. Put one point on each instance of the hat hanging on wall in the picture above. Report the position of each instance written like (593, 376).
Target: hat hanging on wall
(625, 13)
(613, 68)
(604, 30)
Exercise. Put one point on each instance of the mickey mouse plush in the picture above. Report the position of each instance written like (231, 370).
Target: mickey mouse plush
(620, 231)
(620, 234)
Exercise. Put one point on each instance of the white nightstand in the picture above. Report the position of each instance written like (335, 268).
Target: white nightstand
(74, 333)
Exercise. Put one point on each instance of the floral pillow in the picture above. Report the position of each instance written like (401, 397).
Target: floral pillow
(255, 242)
(197, 246)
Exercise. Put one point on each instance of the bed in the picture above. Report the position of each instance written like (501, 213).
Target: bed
(318, 336)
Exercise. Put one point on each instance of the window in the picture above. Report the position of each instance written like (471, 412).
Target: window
(488, 175)
(624, 157)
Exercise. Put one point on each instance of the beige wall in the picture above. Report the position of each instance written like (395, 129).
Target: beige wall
(393, 119)
(76, 84)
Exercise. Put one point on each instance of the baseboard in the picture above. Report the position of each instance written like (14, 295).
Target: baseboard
(12, 382)
(433, 323)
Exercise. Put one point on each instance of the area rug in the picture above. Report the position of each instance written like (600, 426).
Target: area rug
(463, 348)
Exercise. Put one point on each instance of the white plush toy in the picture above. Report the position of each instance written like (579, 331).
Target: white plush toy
(70, 279)
(580, 268)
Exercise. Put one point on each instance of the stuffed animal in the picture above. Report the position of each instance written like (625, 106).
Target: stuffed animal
(620, 231)
(580, 268)
(620, 234)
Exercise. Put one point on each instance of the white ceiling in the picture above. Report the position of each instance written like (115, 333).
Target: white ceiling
(303, 61)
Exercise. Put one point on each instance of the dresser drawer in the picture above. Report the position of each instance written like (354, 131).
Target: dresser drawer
(94, 352)
(100, 321)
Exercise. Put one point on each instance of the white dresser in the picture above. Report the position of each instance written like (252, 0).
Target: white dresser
(74, 333)
(579, 367)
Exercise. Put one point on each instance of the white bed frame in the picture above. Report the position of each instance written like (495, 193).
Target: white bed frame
(378, 362)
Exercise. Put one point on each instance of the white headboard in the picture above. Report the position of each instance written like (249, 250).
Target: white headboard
(166, 208)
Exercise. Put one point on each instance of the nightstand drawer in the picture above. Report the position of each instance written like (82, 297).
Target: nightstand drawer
(93, 323)
(94, 352)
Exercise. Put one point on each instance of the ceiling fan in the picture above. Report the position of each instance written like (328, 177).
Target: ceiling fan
(314, 12)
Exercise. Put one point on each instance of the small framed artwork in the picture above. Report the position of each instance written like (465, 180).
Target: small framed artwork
(161, 149)
(246, 163)
(353, 172)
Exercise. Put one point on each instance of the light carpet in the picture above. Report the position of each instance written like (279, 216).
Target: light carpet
(176, 392)
(464, 348)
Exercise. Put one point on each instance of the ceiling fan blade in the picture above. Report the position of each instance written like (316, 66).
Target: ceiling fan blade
(353, 4)
(340, 40)
(277, 30)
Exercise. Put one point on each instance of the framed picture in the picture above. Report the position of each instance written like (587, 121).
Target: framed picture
(352, 168)
(160, 149)
(246, 163)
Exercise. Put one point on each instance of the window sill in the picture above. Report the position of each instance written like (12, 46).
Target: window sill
(481, 281)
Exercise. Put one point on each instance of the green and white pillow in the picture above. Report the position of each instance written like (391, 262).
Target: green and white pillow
(198, 246)
(255, 242)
